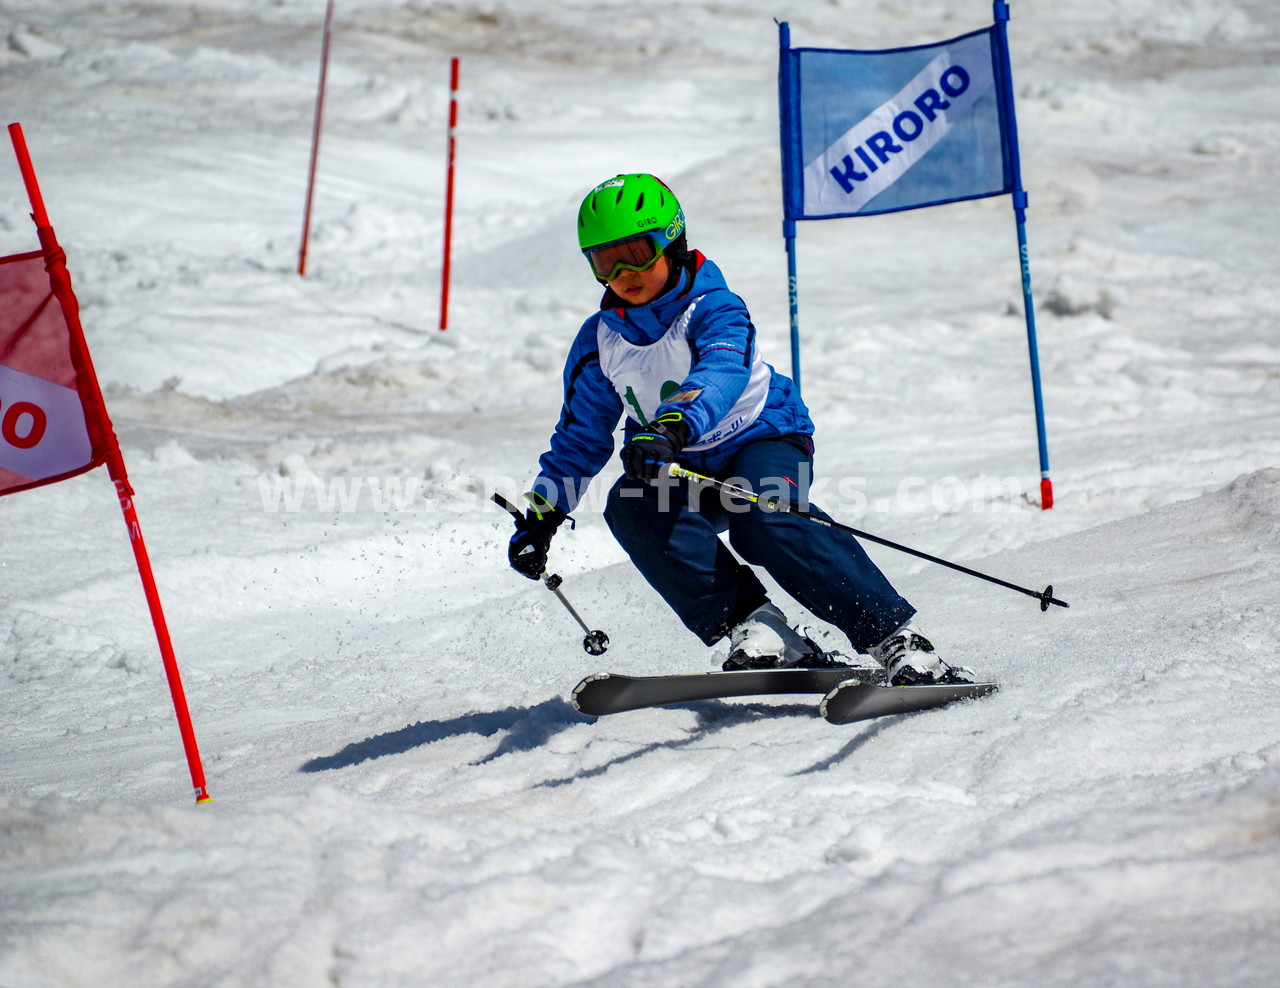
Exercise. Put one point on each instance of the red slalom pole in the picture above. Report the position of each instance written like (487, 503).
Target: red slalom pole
(116, 470)
(107, 450)
(448, 196)
(315, 137)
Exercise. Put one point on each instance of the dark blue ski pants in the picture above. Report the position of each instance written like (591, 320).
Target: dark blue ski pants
(671, 532)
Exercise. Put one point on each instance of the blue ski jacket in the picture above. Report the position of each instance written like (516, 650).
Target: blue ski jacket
(723, 364)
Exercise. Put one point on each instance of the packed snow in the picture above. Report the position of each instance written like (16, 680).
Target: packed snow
(402, 793)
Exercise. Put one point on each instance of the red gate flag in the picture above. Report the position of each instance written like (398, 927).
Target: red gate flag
(53, 421)
(47, 420)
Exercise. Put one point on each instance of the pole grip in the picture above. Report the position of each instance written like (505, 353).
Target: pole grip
(506, 505)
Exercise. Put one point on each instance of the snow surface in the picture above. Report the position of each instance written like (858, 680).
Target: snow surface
(403, 795)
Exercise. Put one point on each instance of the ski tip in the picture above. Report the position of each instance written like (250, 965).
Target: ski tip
(853, 701)
(850, 683)
(575, 697)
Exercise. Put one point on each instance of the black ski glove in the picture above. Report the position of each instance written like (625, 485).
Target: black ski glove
(648, 452)
(527, 552)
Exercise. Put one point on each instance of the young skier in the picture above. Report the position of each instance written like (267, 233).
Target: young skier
(675, 351)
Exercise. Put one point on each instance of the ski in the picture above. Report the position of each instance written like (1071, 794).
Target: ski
(611, 693)
(852, 701)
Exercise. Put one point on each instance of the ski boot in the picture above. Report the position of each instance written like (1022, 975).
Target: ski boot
(909, 659)
(765, 641)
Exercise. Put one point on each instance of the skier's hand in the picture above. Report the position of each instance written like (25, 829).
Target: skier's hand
(648, 452)
(527, 552)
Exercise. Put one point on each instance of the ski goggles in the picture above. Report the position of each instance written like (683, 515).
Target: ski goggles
(634, 254)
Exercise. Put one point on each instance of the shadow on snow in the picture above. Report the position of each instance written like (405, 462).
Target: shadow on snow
(525, 728)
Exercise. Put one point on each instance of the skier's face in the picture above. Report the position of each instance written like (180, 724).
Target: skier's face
(639, 287)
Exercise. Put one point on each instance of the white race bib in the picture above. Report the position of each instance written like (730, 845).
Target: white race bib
(646, 377)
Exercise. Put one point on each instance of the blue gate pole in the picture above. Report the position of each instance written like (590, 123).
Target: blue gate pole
(1020, 217)
(785, 94)
(793, 298)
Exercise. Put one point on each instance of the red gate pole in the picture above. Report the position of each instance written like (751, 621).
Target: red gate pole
(315, 137)
(116, 470)
(106, 446)
(448, 196)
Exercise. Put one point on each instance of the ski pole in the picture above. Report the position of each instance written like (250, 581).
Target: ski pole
(1045, 596)
(595, 642)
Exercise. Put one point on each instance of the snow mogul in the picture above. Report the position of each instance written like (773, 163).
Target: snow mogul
(675, 351)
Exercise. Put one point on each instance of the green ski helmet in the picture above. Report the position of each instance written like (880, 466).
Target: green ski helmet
(628, 208)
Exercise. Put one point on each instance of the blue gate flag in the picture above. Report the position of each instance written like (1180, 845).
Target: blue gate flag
(867, 132)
